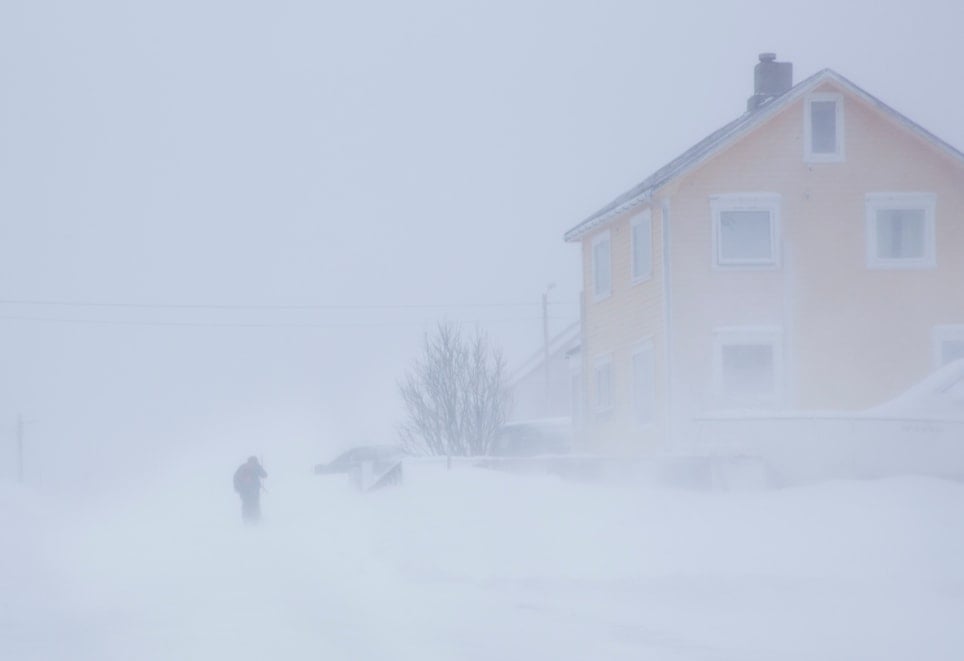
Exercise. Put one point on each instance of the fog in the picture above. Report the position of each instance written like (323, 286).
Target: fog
(225, 228)
(367, 161)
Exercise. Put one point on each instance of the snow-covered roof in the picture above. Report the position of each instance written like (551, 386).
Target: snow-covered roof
(939, 395)
(564, 341)
(726, 135)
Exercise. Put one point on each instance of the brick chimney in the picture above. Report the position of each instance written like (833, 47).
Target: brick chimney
(770, 80)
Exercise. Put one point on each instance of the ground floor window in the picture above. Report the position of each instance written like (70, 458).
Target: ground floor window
(948, 344)
(575, 393)
(603, 383)
(644, 384)
(748, 367)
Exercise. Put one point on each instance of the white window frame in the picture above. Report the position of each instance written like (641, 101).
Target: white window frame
(720, 204)
(749, 336)
(943, 334)
(644, 348)
(599, 293)
(576, 388)
(927, 202)
(644, 220)
(602, 364)
(816, 157)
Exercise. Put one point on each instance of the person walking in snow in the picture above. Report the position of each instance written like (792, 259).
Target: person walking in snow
(247, 482)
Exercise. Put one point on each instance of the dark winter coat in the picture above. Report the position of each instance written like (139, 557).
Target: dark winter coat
(247, 479)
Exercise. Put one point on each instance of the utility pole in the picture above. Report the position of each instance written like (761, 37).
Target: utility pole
(545, 346)
(21, 425)
(20, 448)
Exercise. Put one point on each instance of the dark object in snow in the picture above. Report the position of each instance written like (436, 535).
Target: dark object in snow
(531, 438)
(370, 476)
(370, 467)
(247, 482)
(349, 460)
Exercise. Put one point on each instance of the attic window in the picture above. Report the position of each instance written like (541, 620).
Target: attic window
(823, 128)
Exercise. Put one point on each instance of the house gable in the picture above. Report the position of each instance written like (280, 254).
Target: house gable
(825, 81)
(769, 279)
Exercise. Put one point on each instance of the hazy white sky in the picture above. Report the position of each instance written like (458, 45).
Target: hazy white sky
(394, 155)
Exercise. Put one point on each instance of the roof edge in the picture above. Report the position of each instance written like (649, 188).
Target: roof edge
(901, 118)
(601, 218)
(729, 133)
(557, 342)
(709, 145)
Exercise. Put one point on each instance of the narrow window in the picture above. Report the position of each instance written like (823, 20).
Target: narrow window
(823, 128)
(575, 394)
(644, 384)
(900, 230)
(603, 384)
(601, 266)
(823, 121)
(642, 245)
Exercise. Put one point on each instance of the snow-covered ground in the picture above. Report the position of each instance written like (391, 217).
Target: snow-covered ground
(478, 565)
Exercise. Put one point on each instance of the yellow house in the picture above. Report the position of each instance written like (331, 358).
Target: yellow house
(807, 255)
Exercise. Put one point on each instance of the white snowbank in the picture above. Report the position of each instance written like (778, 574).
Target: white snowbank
(472, 564)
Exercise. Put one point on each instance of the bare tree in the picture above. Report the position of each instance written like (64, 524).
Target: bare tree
(455, 396)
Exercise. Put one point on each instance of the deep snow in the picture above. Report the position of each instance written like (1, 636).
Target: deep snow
(474, 565)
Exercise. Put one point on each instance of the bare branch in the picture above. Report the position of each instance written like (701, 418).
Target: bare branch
(455, 395)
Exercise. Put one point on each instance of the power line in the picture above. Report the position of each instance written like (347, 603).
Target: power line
(267, 306)
(215, 324)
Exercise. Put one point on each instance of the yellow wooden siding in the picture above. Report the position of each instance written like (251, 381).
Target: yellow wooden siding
(616, 326)
(853, 336)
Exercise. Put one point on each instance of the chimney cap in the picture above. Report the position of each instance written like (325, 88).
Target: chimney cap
(768, 57)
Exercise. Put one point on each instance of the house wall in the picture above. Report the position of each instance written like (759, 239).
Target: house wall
(851, 336)
(614, 327)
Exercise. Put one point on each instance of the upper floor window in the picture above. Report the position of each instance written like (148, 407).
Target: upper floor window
(602, 275)
(746, 230)
(900, 230)
(642, 245)
(823, 128)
